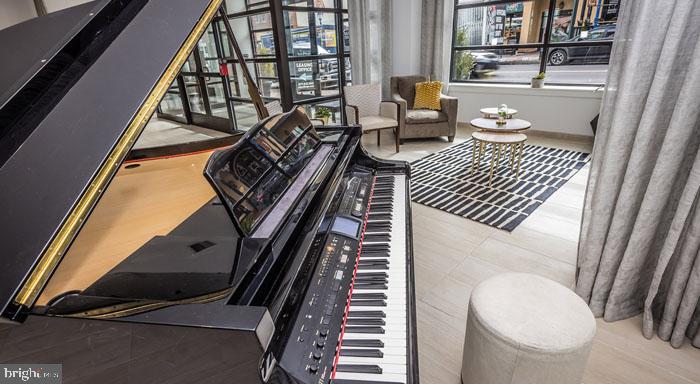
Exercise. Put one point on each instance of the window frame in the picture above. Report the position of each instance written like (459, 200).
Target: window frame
(543, 46)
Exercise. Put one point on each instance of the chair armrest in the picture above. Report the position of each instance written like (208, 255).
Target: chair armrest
(449, 105)
(352, 114)
(390, 109)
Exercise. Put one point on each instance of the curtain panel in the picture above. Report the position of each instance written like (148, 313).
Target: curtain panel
(640, 237)
(370, 42)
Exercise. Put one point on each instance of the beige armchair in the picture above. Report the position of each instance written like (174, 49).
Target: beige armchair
(364, 106)
(414, 123)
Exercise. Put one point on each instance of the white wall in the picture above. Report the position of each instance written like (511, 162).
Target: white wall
(405, 37)
(566, 110)
(57, 5)
(15, 11)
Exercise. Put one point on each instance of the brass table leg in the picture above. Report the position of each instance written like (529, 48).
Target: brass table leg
(471, 172)
(512, 156)
(495, 157)
(520, 157)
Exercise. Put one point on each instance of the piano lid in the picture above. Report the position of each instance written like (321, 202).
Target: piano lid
(50, 34)
(89, 117)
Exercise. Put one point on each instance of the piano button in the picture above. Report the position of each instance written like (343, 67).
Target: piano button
(367, 329)
(375, 314)
(313, 368)
(367, 321)
(316, 355)
(372, 369)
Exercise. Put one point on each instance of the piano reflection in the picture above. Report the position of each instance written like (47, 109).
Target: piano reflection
(281, 256)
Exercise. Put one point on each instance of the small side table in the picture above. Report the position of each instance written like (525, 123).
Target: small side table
(491, 125)
(512, 141)
(492, 113)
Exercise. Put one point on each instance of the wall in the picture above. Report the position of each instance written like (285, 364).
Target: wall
(15, 11)
(567, 110)
(405, 37)
(56, 5)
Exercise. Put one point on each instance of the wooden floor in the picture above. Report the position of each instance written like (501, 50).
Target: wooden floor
(453, 254)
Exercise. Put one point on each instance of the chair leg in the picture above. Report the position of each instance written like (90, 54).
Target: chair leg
(398, 141)
(450, 138)
(379, 135)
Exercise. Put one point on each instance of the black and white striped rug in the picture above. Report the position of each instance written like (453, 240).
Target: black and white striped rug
(442, 181)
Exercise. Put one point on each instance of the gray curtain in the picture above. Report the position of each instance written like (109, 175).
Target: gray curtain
(640, 238)
(370, 42)
(435, 43)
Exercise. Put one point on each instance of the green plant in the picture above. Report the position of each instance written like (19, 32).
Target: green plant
(322, 112)
(464, 61)
(539, 76)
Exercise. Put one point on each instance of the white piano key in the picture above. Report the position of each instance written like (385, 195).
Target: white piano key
(384, 377)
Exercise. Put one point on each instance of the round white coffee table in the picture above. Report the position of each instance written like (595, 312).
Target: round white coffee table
(511, 125)
(492, 112)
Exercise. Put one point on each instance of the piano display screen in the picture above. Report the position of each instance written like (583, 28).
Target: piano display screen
(346, 226)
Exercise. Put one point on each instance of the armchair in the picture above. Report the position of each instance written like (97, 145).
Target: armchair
(364, 106)
(414, 123)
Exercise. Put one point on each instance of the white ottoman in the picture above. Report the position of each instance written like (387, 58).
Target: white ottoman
(525, 329)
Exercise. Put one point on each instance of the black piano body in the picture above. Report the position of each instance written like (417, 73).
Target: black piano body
(286, 276)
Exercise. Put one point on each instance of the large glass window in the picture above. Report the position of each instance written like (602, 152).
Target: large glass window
(512, 41)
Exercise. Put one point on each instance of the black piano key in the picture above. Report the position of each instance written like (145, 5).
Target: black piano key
(368, 303)
(361, 352)
(377, 260)
(365, 329)
(377, 238)
(365, 321)
(373, 314)
(380, 209)
(379, 216)
(371, 280)
(369, 296)
(375, 254)
(371, 286)
(363, 343)
(346, 381)
(372, 274)
(375, 248)
(372, 266)
(357, 368)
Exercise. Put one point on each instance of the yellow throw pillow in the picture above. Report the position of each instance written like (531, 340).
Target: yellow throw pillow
(428, 95)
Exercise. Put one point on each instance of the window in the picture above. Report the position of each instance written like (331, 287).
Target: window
(511, 41)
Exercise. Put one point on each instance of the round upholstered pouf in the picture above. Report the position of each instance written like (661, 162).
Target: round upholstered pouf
(525, 329)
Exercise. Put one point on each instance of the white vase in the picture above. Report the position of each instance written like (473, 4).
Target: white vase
(537, 83)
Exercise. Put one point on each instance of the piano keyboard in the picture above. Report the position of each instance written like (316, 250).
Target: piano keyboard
(373, 345)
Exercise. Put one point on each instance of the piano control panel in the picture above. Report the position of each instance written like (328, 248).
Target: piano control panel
(353, 325)
(319, 324)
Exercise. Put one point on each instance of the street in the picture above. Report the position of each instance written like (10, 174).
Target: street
(563, 74)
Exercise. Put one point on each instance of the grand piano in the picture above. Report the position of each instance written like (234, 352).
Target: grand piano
(284, 257)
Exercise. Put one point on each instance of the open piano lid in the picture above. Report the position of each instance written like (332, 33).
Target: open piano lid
(110, 70)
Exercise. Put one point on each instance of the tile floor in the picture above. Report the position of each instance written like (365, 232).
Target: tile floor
(453, 254)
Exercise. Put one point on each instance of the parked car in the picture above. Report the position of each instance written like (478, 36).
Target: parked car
(486, 62)
(584, 53)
